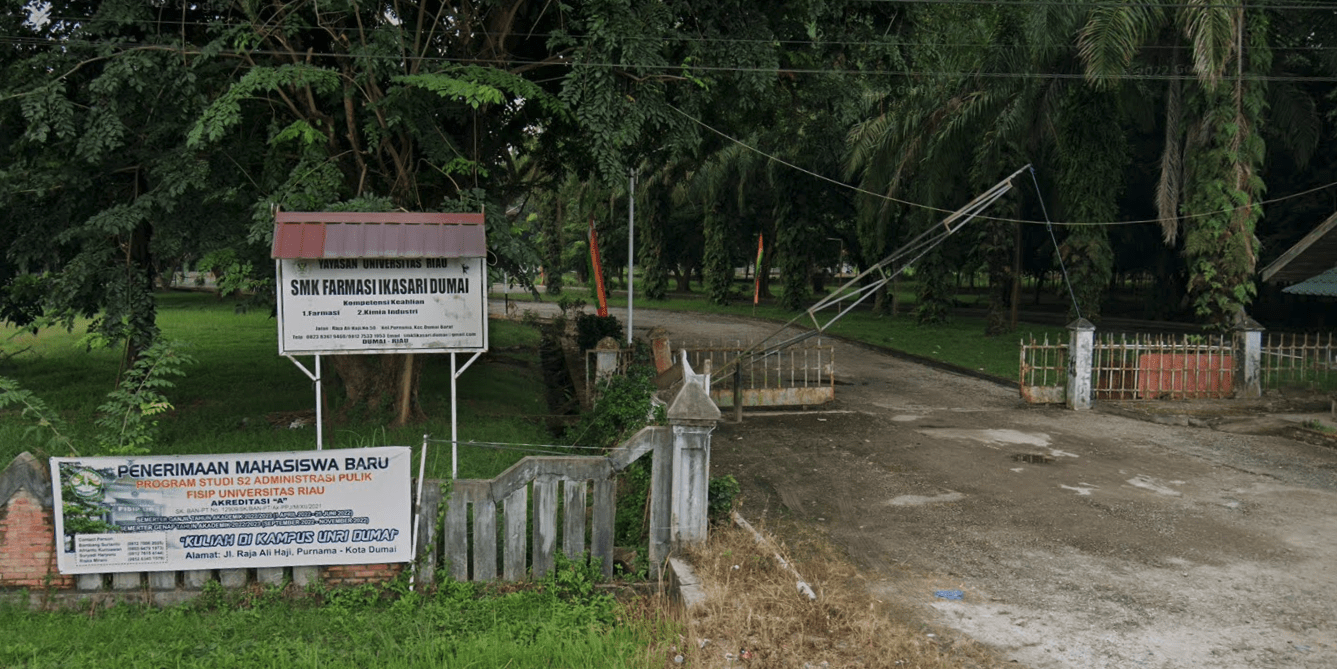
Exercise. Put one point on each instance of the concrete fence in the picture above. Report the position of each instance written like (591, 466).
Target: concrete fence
(492, 528)
(679, 481)
(1095, 366)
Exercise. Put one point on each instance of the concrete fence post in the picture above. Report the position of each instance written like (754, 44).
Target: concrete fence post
(659, 346)
(605, 359)
(692, 417)
(661, 497)
(1081, 360)
(1250, 370)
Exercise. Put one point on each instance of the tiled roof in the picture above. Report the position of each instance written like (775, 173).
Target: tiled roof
(1324, 284)
(1310, 256)
(322, 234)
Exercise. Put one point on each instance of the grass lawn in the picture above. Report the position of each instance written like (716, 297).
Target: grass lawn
(561, 622)
(225, 403)
(959, 342)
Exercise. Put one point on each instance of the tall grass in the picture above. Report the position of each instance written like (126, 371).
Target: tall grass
(241, 394)
(460, 626)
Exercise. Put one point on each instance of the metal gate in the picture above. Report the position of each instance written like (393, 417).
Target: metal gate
(798, 375)
(1044, 371)
(1152, 367)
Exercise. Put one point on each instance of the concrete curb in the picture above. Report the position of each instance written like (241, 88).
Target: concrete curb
(685, 585)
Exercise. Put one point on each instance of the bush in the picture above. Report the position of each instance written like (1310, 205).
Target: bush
(591, 328)
(623, 407)
(721, 493)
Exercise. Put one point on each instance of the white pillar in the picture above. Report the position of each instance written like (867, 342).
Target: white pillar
(1081, 359)
(1251, 377)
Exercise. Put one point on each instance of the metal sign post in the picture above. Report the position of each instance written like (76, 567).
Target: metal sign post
(320, 396)
(631, 251)
(454, 414)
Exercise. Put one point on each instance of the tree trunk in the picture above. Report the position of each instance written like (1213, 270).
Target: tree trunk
(375, 383)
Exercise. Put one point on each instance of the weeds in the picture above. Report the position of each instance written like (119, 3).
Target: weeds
(753, 608)
(1320, 426)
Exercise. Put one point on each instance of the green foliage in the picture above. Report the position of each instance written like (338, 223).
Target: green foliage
(226, 112)
(651, 235)
(622, 408)
(574, 580)
(471, 93)
(721, 492)
(933, 289)
(793, 251)
(1222, 190)
(629, 518)
(43, 421)
(1089, 178)
(718, 262)
(128, 419)
(561, 619)
(592, 328)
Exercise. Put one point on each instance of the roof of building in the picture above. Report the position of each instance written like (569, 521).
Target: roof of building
(1324, 285)
(1308, 258)
(323, 234)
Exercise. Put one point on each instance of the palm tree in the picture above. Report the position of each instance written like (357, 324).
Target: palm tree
(1214, 57)
(929, 132)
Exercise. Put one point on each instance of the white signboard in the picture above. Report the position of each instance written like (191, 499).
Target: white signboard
(382, 305)
(163, 513)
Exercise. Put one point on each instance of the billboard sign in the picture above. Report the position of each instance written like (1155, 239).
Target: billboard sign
(165, 513)
(382, 305)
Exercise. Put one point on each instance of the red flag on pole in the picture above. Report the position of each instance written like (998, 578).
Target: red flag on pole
(598, 271)
(756, 289)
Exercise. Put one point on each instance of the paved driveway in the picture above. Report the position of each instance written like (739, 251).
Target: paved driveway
(1079, 539)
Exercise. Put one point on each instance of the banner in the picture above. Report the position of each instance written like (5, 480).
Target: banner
(598, 271)
(164, 513)
(756, 288)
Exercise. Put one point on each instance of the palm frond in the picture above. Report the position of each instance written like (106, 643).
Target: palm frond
(1170, 184)
(1296, 120)
(1112, 36)
(1210, 27)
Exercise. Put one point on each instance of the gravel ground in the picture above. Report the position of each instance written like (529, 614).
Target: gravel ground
(1166, 536)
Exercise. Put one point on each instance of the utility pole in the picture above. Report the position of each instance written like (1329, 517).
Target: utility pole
(631, 247)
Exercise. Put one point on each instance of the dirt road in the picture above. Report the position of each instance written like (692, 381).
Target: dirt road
(1136, 545)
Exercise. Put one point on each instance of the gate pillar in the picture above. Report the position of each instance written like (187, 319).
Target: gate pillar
(1081, 359)
(1250, 370)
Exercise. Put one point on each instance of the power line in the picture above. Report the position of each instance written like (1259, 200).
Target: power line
(939, 210)
(677, 69)
(741, 40)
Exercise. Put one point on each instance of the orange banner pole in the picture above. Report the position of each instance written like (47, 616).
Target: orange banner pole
(598, 271)
(756, 289)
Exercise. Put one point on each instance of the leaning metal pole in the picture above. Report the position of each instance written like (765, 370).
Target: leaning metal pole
(886, 270)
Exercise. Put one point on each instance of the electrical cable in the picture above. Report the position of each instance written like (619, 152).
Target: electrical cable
(1000, 219)
(1077, 308)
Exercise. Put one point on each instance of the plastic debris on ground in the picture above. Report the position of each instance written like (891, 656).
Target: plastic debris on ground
(949, 594)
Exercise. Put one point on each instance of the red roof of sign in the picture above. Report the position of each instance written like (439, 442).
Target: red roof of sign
(325, 234)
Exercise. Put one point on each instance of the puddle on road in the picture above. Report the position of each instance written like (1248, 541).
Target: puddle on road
(992, 438)
(920, 500)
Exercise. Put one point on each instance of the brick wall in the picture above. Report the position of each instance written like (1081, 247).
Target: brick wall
(27, 545)
(358, 574)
